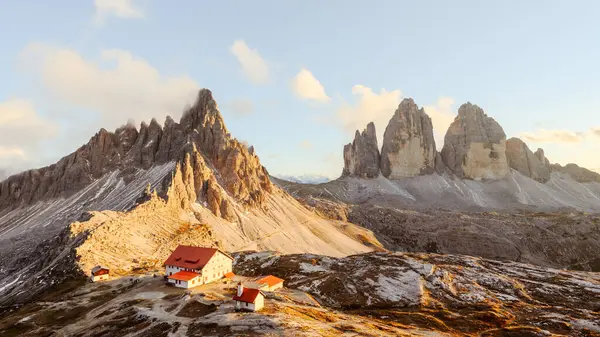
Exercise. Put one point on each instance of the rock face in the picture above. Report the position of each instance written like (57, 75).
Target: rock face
(521, 159)
(213, 166)
(408, 144)
(361, 157)
(539, 153)
(578, 173)
(475, 145)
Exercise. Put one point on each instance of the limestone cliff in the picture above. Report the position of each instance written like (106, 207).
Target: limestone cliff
(361, 157)
(521, 159)
(475, 145)
(408, 144)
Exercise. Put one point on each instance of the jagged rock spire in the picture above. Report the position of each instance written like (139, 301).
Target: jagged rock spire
(408, 144)
(219, 168)
(521, 159)
(361, 157)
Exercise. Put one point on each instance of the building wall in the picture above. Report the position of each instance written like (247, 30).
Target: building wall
(216, 268)
(259, 303)
(170, 270)
(186, 284)
(99, 278)
(256, 285)
(256, 306)
(275, 287)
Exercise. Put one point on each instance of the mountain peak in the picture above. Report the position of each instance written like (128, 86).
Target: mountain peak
(201, 134)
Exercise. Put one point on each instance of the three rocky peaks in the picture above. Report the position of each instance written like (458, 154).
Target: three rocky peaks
(475, 147)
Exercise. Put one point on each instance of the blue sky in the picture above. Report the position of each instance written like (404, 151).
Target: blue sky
(295, 78)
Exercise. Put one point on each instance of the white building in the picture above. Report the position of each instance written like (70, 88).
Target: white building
(99, 273)
(248, 299)
(190, 266)
(266, 283)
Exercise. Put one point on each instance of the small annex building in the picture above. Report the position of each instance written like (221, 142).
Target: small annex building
(190, 266)
(99, 273)
(266, 283)
(248, 299)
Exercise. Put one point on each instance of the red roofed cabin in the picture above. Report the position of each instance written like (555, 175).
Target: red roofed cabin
(248, 299)
(99, 273)
(269, 283)
(190, 266)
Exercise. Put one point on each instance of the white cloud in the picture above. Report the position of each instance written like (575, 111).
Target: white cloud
(306, 86)
(306, 144)
(442, 115)
(11, 152)
(118, 8)
(253, 65)
(371, 107)
(242, 107)
(22, 131)
(552, 136)
(119, 86)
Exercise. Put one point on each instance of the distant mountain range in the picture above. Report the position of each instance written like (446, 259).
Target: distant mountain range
(305, 178)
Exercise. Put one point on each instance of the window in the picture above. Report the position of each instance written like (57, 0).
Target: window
(246, 304)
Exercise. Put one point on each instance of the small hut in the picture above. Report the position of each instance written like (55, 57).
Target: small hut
(99, 273)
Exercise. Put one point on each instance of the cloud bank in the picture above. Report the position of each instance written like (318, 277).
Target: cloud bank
(253, 65)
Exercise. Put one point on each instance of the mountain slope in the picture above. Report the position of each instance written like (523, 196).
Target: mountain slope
(133, 195)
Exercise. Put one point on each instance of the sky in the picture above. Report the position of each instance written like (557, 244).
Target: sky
(295, 79)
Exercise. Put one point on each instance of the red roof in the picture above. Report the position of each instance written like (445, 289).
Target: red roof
(191, 257)
(270, 280)
(248, 295)
(183, 275)
(229, 275)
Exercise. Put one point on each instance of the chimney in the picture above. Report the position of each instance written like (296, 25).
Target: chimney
(240, 289)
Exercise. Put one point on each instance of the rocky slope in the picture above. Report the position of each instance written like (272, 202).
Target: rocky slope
(449, 294)
(580, 174)
(475, 145)
(521, 159)
(408, 146)
(133, 194)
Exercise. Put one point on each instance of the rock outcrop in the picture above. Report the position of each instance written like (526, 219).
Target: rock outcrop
(521, 159)
(578, 173)
(217, 166)
(408, 144)
(541, 156)
(361, 157)
(475, 145)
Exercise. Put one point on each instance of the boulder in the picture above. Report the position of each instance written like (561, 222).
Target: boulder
(361, 157)
(408, 144)
(521, 159)
(475, 145)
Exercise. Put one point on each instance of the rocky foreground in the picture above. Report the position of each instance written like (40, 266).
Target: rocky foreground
(448, 294)
(373, 294)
